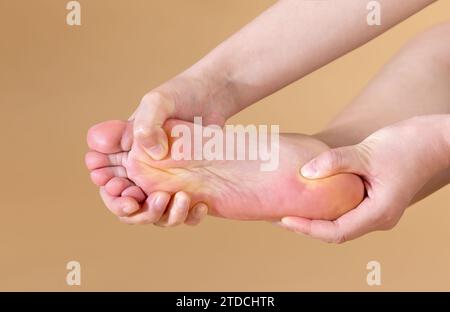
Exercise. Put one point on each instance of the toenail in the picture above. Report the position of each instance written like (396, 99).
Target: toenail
(156, 151)
(159, 203)
(180, 203)
(201, 210)
(128, 209)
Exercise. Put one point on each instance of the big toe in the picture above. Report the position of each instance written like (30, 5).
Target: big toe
(111, 136)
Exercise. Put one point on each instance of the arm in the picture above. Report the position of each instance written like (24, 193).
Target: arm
(414, 83)
(403, 163)
(293, 38)
(286, 42)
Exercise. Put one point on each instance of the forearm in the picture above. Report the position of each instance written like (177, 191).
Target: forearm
(433, 140)
(414, 83)
(291, 39)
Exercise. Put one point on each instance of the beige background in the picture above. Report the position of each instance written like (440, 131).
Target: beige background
(56, 81)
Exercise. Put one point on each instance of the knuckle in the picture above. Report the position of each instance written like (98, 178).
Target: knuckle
(389, 224)
(378, 216)
(339, 236)
(141, 130)
(333, 159)
(151, 98)
(156, 100)
(387, 217)
(387, 220)
(364, 154)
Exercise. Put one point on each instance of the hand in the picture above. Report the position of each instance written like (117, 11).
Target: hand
(183, 97)
(190, 94)
(394, 162)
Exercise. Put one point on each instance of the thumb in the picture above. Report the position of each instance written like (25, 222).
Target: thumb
(339, 160)
(149, 118)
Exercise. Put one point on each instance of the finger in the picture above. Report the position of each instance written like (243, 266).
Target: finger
(319, 229)
(112, 136)
(120, 206)
(152, 209)
(196, 214)
(102, 176)
(177, 211)
(148, 121)
(348, 159)
(353, 224)
(95, 160)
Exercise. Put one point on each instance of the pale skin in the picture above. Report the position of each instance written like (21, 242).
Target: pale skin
(422, 146)
(193, 92)
(420, 143)
(232, 189)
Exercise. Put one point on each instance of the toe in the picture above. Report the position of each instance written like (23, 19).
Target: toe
(177, 211)
(124, 187)
(152, 209)
(196, 214)
(95, 160)
(102, 176)
(110, 137)
(117, 185)
(120, 206)
(134, 192)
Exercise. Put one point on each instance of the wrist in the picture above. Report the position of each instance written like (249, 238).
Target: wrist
(215, 90)
(436, 130)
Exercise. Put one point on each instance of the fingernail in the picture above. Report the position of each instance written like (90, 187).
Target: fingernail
(309, 171)
(156, 152)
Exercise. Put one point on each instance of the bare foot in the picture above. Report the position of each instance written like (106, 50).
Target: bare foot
(111, 141)
(234, 189)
